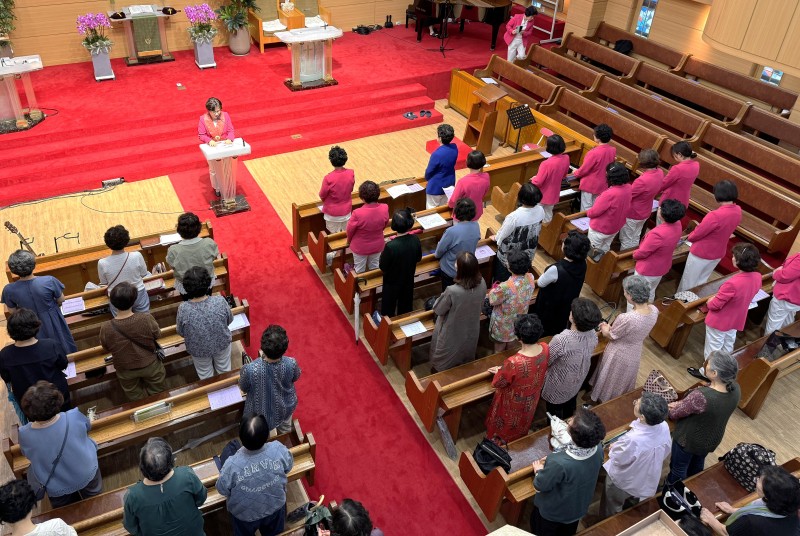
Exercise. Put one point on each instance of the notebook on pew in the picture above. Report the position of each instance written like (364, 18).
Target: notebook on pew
(224, 397)
(483, 252)
(403, 189)
(581, 223)
(431, 220)
(167, 239)
(415, 328)
(239, 321)
(73, 305)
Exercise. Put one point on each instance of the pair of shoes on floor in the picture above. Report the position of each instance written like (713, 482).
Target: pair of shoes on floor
(409, 115)
(697, 374)
(424, 113)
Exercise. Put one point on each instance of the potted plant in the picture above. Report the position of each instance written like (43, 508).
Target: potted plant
(6, 27)
(202, 32)
(234, 17)
(93, 27)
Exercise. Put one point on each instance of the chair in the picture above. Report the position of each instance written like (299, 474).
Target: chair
(264, 23)
(315, 15)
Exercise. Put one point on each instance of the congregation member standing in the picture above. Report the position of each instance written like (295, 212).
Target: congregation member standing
(510, 299)
(551, 174)
(519, 34)
(441, 170)
(462, 236)
(518, 383)
(336, 192)
(132, 339)
(458, 316)
(727, 310)
(785, 295)
(365, 228)
(123, 267)
(17, 500)
(643, 192)
(203, 322)
(607, 213)
(399, 264)
(702, 416)
(570, 358)
(636, 459)
(592, 172)
(191, 251)
(269, 381)
(616, 373)
(681, 176)
(565, 481)
(710, 238)
(654, 256)
(256, 498)
(561, 283)
(215, 127)
(41, 294)
(474, 185)
(520, 230)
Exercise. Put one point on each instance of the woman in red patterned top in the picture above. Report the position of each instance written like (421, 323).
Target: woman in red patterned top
(518, 383)
(215, 127)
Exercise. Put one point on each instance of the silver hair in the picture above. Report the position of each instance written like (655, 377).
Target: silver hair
(638, 288)
(156, 459)
(726, 366)
(653, 408)
(21, 263)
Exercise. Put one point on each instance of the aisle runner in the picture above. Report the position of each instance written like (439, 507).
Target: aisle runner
(368, 447)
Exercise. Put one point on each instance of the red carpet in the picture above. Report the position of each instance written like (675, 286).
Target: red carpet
(463, 151)
(368, 445)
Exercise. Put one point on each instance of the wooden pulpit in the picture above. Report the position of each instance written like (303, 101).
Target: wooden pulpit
(145, 34)
(483, 118)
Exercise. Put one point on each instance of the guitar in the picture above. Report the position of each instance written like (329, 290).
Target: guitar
(22, 240)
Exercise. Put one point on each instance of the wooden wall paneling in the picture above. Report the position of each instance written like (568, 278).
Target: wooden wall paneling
(622, 13)
(789, 53)
(584, 16)
(768, 27)
(348, 16)
(732, 23)
(395, 8)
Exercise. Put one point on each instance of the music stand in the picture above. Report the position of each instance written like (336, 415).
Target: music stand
(447, 11)
(520, 116)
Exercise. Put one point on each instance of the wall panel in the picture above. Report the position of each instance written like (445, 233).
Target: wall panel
(765, 34)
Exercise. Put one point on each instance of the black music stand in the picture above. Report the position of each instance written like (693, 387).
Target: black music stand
(520, 116)
(446, 11)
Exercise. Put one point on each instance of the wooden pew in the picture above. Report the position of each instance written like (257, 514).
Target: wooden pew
(115, 428)
(558, 69)
(552, 234)
(757, 374)
(452, 389)
(610, 63)
(77, 267)
(506, 202)
(676, 319)
(102, 514)
(521, 84)
(714, 484)
(757, 122)
(607, 34)
(94, 359)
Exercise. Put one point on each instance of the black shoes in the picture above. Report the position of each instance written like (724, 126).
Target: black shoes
(216, 193)
(697, 374)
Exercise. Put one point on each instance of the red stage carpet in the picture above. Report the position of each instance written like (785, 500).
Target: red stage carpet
(368, 445)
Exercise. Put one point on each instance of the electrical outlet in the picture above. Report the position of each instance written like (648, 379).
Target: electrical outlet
(112, 182)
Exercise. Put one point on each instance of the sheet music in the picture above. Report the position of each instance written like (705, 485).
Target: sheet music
(415, 187)
(397, 191)
(430, 221)
(449, 191)
(760, 295)
(484, 252)
(167, 239)
(415, 328)
(489, 80)
(70, 371)
(581, 223)
(224, 397)
(239, 321)
(73, 305)
(564, 193)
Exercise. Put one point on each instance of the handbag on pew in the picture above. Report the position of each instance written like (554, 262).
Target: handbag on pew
(42, 489)
(744, 462)
(158, 350)
(657, 384)
(679, 501)
(778, 345)
(488, 455)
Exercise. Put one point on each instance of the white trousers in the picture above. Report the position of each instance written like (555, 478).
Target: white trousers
(587, 200)
(652, 281)
(696, 272)
(362, 263)
(601, 241)
(433, 201)
(516, 49)
(781, 314)
(207, 367)
(631, 234)
(548, 213)
(335, 226)
(717, 340)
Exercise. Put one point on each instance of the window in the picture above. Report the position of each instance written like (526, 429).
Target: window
(646, 15)
(773, 76)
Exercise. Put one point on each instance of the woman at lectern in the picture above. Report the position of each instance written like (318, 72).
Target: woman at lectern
(215, 127)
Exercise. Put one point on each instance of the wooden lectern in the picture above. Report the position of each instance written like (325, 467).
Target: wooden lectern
(145, 35)
(222, 158)
(312, 56)
(483, 117)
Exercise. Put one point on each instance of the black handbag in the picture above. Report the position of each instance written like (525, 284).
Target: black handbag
(679, 501)
(488, 455)
(744, 462)
(778, 345)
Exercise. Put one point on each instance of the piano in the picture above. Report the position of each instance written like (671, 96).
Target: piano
(496, 13)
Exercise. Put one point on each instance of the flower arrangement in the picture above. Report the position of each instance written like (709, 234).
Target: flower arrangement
(200, 17)
(93, 27)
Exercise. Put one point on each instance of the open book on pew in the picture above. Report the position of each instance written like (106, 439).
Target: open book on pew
(73, 305)
(581, 223)
(431, 220)
(239, 321)
(403, 189)
(225, 397)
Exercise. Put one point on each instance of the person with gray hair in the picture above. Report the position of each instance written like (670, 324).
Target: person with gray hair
(635, 460)
(702, 416)
(166, 501)
(41, 294)
(616, 373)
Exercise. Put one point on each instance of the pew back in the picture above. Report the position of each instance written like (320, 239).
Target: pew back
(608, 34)
(609, 61)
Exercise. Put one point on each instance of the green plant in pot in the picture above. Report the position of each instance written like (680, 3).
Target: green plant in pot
(234, 18)
(6, 26)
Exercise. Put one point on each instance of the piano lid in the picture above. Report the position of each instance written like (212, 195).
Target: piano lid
(476, 3)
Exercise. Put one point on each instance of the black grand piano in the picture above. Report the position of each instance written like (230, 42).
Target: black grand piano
(426, 13)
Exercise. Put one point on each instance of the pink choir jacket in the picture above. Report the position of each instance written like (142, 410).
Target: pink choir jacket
(654, 256)
(593, 171)
(787, 280)
(548, 179)
(728, 309)
(679, 180)
(710, 238)
(365, 228)
(516, 22)
(607, 216)
(474, 186)
(644, 190)
(205, 135)
(336, 192)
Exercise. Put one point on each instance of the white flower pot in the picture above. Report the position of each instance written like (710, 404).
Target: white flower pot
(204, 55)
(102, 66)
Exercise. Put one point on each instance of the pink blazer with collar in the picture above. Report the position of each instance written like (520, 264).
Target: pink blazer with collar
(516, 22)
(728, 309)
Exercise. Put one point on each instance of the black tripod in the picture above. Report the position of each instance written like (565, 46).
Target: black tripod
(445, 11)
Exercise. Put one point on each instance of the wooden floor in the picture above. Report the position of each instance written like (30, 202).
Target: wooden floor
(296, 177)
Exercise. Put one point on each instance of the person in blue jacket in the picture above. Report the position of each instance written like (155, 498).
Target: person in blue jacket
(441, 170)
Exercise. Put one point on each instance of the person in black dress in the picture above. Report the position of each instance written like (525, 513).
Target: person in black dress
(398, 263)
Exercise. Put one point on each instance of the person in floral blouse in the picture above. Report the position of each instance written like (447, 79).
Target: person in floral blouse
(510, 298)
